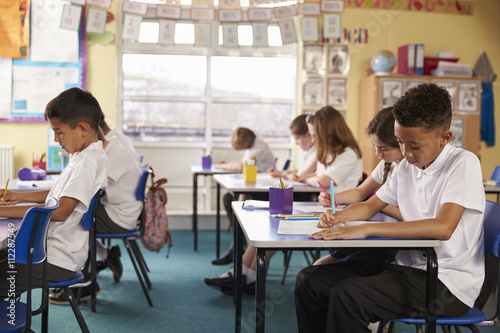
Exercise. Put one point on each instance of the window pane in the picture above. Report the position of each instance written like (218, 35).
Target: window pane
(270, 121)
(164, 121)
(253, 77)
(148, 33)
(245, 35)
(164, 75)
(184, 33)
(274, 35)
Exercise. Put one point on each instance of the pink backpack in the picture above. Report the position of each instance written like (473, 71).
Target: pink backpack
(156, 231)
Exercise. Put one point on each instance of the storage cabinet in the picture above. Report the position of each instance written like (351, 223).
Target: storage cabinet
(380, 91)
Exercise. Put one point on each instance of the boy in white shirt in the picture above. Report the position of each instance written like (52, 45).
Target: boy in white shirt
(74, 116)
(438, 189)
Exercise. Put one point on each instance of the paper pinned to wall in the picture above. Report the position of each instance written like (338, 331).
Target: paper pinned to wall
(5, 87)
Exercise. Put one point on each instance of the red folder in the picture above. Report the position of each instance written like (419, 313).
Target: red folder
(406, 59)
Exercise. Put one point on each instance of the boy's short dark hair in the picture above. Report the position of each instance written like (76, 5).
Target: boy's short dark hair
(73, 106)
(427, 106)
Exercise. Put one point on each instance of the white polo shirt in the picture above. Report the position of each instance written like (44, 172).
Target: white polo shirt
(119, 198)
(122, 138)
(85, 174)
(306, 158)
(378, 173)
(454, 177)
(345, 171)
(262, 153)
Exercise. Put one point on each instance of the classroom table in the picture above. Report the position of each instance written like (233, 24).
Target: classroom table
(260, 230)
(493, 190)
(18, 185)
(197, 170)
(236, 184)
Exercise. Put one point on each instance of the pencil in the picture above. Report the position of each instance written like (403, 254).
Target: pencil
(299, 215)
(5, 190)
(322, 187)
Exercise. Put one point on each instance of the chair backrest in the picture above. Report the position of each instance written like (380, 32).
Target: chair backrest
(496, 174)
(141, 187)
(88, 217)
(491, 225)
(32, 232)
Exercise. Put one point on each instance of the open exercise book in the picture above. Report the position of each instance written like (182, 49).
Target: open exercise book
(305, 227)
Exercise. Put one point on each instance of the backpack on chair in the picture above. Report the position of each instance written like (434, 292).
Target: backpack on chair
(156, 231)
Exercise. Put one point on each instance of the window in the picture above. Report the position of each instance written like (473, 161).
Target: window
(185, 93)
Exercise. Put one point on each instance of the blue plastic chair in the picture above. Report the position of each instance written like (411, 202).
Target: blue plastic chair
(496, 174)
(30, 249)
(78, 281)
(475, 317)
(129, 239)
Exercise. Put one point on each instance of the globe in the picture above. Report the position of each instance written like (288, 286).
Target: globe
(383, 62)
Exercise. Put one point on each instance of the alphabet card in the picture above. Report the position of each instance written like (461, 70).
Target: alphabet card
(70, 18)
(167, 32)
(131, 26)
(96, 21)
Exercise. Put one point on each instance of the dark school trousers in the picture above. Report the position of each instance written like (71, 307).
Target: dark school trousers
(347, 296)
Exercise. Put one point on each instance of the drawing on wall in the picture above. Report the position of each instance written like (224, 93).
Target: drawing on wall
(313, 92)
(337, 92)
(467, 97)
(451, 87)
(390, 93)
(338, 59)
(314, 61)
(458, 128)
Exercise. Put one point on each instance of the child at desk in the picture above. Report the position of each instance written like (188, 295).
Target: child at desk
(255, 149)
(438, 189)
(74, 116)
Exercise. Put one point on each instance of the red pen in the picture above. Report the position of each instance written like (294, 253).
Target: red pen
(325, 191)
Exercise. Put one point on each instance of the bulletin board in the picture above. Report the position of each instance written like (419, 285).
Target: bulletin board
(57, 62)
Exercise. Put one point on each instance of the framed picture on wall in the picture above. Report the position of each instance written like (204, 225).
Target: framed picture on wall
(338, 59)
(313, 92)
(337, 92)
(468, 94)
(390, 92)
(314, 60)
(458, 128)
(451, 87)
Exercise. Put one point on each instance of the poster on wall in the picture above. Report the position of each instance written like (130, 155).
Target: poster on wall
(313, 92)
(314, 61)
(458, 128)
(451, 87)
(390, 92)
(338, 59)
(467, 100)
(337, 92)
(5, 86)
(15, 28)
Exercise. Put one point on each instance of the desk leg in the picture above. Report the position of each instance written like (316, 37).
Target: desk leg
(260, 293)
(431, 292)
(217, 222)
(237, 259)
(195, 211)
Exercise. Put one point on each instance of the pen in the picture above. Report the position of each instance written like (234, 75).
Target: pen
(302, 218)
(274, 163)
(282, 184)
(327, 192)
(298, 215)
(5, 190)
(322, 187)
(333, 198)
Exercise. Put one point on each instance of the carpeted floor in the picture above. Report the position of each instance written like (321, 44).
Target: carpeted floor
(182, 302)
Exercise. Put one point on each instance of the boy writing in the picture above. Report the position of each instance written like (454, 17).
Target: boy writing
(438, 189)
(74, 117)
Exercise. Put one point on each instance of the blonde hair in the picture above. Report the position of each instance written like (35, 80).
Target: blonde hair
(243, 138)
(332, 135)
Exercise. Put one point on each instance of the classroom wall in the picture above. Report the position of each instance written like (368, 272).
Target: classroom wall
(466, 36)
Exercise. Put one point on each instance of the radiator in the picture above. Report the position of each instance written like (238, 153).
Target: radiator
(6, 163)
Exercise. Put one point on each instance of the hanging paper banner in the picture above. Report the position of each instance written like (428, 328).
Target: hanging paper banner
(15, 28)
(169, 12)
(230, 35)
(71, 16)
(229, 15)
(309, 29)
(309, 9)
(78, 2)
(137, 8)
(332, 6)
(283, 12)
(260, 35)
(202, 14)
(229, 3)
(331, 26)
(100, 3)
(202, 34)
(428, 6)
(131, 26)
(287, 30)
(166, 32)
(96, 21)
(259, 14)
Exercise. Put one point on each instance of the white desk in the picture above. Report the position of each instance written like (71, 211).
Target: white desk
(236, 184)
(197, 170)
(261, 232)
(30, 185)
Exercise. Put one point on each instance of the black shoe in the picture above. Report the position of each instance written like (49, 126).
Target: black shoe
(247, 288)
(114, 263)
(227, 258)
(58, 296)
(100, 265)
(221, 283)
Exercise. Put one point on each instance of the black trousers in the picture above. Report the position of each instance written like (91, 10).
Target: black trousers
(347, 296)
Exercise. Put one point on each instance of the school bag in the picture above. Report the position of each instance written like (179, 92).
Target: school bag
(156, 231)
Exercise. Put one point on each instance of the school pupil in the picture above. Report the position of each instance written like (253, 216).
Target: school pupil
(337, 151)
(438, 189)
(307, 157)
(116, 212)
(381, 133)
(110, 133)
(74, 117)
(256, 149)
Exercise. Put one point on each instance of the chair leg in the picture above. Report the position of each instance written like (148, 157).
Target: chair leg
(288, 257)
(141, 281)
(76, 310)
(45, 319)
(137, 254)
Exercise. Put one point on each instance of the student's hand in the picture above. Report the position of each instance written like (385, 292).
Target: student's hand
(274, 173)
(325, 199)
(222, 165)
(342, 232)
(328, 219)
(9, 199)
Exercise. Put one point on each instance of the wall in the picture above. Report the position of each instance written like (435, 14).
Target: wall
(466, 36)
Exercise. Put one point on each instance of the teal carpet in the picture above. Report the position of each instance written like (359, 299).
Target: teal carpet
(182, 302)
